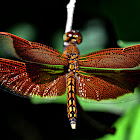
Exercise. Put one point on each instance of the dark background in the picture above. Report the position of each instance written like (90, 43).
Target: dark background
(21, 120)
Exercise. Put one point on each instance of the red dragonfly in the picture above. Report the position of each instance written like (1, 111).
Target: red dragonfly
(42, 71)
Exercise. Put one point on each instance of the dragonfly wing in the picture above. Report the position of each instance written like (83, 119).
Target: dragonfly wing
(29, 79)
(31, 51)
(112, 58)
(107, 84)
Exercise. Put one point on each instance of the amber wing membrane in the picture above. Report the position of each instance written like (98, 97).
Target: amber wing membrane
(106, 84)
(30, 79)
(109, 73)
(128, 57)
(32, 51)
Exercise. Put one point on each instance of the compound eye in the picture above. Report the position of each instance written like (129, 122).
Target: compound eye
(78, 37)
(67, 36)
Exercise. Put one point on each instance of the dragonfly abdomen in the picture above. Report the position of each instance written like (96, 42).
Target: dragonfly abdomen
(71, 100)
(72, 53)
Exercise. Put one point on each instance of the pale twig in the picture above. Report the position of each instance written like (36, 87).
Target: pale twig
(70, 12)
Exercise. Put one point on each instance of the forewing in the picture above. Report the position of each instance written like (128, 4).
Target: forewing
(128, 57)
(106, 84)
(31, 51)
(29, 79)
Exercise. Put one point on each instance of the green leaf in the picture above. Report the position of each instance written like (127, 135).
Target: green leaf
(124, 44)
(127, 126)
(59, 99)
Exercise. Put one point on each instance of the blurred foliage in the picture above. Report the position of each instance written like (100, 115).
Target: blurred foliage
(24, 30)
(124, 44)
(127, 126)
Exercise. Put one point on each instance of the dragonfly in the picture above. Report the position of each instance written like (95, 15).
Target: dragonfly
(40, 70)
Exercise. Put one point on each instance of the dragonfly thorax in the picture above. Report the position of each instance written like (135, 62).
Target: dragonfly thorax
(71, 50)
(73, 61)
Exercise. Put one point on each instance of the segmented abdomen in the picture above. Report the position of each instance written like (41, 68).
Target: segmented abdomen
(71, 100)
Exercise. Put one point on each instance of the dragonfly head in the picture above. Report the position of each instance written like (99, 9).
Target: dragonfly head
(73, 37)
